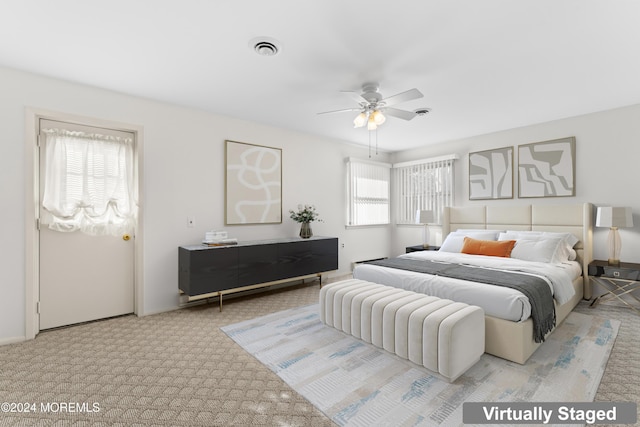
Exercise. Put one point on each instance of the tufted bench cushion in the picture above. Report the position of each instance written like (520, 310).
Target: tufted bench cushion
(443, 336)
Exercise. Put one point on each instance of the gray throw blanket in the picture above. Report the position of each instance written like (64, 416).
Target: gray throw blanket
(543, 312)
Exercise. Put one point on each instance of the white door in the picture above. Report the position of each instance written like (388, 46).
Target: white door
(82, 277)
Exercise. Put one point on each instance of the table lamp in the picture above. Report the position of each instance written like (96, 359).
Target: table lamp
(424, 218)
(614, 217)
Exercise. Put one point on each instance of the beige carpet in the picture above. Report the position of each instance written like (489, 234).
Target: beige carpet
(180, 369)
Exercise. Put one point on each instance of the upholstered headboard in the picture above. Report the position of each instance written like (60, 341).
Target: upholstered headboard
(571, 218)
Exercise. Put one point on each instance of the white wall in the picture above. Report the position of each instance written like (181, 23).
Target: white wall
(607, 172)
(183, 175)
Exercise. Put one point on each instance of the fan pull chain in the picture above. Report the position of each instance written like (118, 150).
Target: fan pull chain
(376, 141)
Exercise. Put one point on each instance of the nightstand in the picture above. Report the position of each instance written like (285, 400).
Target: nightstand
(618, 280)
(418, 248)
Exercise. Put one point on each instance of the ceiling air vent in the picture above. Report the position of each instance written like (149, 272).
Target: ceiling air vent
(265, 46)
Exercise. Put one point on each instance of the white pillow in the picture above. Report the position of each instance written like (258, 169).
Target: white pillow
(455, 240)
(549, 250)
(562, 253)
(480, 230)
(569, 238)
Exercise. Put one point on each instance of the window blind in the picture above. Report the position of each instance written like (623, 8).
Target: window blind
(368, 192)
(423, 185)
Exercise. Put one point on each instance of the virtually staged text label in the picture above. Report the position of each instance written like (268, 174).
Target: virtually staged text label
(549, 412)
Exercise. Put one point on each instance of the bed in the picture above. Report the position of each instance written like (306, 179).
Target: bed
(509, 324)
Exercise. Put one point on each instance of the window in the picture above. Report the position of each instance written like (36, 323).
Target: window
(89, 183)
(368, 189)
(423, 185)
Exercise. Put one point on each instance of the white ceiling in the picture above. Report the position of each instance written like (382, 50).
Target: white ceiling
(482, 66)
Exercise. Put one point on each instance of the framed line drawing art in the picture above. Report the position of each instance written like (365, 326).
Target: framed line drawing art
(253, 184)
(491, 174)
(547, 169)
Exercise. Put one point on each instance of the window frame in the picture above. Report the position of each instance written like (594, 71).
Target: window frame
(376, 170)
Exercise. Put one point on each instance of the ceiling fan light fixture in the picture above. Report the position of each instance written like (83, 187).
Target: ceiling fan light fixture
(360, 120)
(371, 105)
(371, 123)
(378, 117)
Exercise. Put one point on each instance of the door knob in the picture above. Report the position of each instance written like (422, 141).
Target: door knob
(126, 237)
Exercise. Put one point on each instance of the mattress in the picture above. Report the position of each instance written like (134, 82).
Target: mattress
(497, 301)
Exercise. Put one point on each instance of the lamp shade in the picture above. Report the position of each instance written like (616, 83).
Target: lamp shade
(607, 216)
(371, 123)
(378, 117)
(360, 120)
(424, 217)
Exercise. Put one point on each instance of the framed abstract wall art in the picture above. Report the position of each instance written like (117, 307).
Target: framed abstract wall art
(491, 174)
(547, 169)
(253, 193)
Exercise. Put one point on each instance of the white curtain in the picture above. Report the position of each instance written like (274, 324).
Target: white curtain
(89, 183)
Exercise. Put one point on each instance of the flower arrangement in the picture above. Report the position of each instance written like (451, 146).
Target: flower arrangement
(305, 214)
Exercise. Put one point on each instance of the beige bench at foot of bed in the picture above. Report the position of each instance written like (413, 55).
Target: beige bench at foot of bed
(443, 336)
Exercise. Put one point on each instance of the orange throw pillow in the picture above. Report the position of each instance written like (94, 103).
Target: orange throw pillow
(501, 248)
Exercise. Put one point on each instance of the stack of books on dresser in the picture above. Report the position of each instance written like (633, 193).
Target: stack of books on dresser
(218, 238)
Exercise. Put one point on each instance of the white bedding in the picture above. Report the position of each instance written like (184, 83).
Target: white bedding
(497, 301)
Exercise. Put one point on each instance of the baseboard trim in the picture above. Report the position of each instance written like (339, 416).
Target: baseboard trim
(12, 340)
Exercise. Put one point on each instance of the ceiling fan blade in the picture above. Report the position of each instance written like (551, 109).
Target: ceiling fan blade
(401, 114)
(409, 95)
(341, 111)
(356, 97)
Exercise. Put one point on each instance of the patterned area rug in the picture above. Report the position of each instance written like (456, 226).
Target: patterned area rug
(357, 384)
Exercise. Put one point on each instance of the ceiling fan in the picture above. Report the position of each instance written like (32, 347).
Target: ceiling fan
(373, 106)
